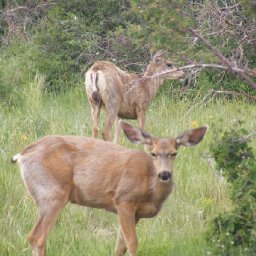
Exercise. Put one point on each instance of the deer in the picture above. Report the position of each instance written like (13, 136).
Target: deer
(101, 174)
(125, 95)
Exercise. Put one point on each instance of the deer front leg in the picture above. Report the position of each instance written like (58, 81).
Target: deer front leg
(141, 115)
(121, 246)
(117, 129)
(127, 236)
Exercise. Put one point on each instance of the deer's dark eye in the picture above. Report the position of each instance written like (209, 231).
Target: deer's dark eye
(174, 154)
(153, 154)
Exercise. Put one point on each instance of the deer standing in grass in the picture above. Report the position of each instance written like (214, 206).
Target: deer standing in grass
(124, 95)
(100, 174)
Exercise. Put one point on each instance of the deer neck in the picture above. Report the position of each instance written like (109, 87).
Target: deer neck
(152, 85)
(161, 191)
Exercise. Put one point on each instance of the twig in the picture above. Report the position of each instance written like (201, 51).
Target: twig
(247, 137)
(199, 103)
(234, 93)
(211, 163)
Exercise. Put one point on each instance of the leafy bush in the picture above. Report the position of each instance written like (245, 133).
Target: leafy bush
(234, 233)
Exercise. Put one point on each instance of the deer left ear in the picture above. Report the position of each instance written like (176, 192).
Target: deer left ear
(136, 135)
(191, 137)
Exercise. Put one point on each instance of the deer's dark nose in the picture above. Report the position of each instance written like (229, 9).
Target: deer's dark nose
(164, 176)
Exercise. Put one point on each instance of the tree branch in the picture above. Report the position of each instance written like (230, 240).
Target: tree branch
(231, 66)
(188, 67)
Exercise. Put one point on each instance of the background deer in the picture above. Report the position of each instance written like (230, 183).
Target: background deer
(100, 174)
(124, 95)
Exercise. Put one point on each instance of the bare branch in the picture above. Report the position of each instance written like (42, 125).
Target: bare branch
(231, 66)
(188, 67)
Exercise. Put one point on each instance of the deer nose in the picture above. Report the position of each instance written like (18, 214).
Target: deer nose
(164, 176)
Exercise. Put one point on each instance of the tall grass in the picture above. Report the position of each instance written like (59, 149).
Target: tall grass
(178, 230)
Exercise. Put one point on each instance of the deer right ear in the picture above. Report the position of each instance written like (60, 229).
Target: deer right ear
(136, 135)
(191, 137)
(160, 55)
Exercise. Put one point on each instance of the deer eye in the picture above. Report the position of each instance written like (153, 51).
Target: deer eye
(153, 154)
(174, 154)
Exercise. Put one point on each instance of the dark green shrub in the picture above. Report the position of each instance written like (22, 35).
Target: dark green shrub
(234, 233)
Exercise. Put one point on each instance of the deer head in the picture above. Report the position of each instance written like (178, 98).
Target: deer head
(160, 64)
(164, 150)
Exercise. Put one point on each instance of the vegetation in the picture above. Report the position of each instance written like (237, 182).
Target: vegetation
(180, 227)
(45, 48)
(234, 232)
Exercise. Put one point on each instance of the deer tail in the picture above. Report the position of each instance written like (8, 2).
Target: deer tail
(95, 95)
(15, 158)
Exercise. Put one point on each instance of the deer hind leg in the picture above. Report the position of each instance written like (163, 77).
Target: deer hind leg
(127, 238)
(48, 216)
(117, 129)
(95, 113)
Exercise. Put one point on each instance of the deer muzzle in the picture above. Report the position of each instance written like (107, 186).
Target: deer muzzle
(164, 176)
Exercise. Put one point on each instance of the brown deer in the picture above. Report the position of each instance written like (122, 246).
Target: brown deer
(124, 95)
(100, 174)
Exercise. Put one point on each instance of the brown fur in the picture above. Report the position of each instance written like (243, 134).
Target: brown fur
(110, 87)
(100, 174)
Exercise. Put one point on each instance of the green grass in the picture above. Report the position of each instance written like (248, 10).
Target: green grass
(178, 230)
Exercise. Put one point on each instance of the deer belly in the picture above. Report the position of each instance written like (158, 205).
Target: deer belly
(125, 113)
(93, 197)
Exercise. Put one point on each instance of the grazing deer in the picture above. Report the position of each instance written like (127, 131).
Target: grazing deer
(100, 174)
(124, 95)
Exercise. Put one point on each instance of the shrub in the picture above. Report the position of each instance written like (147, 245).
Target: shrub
(234, 233)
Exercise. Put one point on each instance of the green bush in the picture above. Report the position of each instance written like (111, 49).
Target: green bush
(234, 233)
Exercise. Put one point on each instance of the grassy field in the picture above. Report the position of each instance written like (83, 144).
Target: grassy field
(178, 230)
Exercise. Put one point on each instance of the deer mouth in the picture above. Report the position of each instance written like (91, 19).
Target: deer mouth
(164, 176)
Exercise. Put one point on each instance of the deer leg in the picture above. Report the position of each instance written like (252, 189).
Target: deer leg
(95, 112)
(45, 222)
(126, 215)
(112, 110)
(121, 246)
(117, 129)
(141, 118)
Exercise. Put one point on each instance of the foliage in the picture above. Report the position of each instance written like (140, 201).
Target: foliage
(63, 38)
(234, 233)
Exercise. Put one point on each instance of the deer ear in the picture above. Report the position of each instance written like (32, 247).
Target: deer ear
(136, 135)
(191, 137)
(159, 56)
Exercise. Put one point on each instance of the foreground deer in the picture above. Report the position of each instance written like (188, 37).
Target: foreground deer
(100, 174)
(124, 95)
